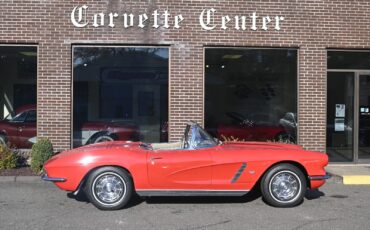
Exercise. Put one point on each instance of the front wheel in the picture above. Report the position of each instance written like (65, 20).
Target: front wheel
(109, 188)
(283, 185)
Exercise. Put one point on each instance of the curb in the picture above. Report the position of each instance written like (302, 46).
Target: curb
(29, 179)
(350, 179)
(336, 179)
(350, 174)
(356, 180)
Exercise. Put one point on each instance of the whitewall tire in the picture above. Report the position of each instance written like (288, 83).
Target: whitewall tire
(109, 188)
(283, 185)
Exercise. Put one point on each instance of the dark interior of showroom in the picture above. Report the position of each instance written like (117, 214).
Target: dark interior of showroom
(18, 77)
(251, 94)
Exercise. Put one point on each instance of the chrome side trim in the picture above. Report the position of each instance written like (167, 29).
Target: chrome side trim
(325, 177)
(239, 173)
(52, 179)
(171, 192)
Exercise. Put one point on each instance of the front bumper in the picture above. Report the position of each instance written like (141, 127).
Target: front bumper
(316, 178)
(45, 177)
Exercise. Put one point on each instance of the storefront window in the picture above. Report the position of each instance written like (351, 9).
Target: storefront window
(18, 74)
(340, 120)
(251, 94)
(348, 105)
(120, 93)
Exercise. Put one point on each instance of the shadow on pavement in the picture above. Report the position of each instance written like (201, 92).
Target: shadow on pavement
(136, 200)
(251, 196)
(313, 194)
(81, 197)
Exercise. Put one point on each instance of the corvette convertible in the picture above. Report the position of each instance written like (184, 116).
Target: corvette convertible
(111, 173)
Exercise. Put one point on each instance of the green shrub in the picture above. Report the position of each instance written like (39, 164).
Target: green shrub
(8, 159)
(42, 151)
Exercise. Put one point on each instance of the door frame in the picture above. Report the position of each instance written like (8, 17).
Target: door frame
(356, 104)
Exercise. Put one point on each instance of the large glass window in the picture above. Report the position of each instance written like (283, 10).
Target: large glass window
(120, 93)
(251, 94)
(18, 74)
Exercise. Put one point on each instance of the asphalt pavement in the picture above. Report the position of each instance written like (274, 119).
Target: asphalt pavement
(40, 205)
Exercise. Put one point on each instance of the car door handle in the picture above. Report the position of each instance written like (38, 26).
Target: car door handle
(153, 159)
(20, 129)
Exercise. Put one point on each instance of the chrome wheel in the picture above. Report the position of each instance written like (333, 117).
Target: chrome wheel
(285, 186)
(109, 188)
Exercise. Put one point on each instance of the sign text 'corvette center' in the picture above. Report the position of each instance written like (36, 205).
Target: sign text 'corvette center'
(164, 19)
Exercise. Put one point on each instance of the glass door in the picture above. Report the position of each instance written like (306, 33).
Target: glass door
(364, 117)
(340, 114)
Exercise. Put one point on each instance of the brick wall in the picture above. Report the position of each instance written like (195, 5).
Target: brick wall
(311, 25)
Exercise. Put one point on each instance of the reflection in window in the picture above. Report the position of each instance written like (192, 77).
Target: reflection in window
(18, 74)
(21, 117)
(251, 94)
(31, 116)
(120, 93)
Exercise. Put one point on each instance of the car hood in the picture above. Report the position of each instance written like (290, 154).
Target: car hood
(3, 124)
(108, 145)
(258, 145)
(87, 150)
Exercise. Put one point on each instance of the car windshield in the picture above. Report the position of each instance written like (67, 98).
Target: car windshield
(198, 138)
(20, 117)
(8, 117)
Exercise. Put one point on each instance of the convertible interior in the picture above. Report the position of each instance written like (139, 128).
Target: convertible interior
(168, 146)
(194, 137)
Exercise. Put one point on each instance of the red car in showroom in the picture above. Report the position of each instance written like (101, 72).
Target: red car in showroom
(197, 165)
(247, 129)
(20, 131)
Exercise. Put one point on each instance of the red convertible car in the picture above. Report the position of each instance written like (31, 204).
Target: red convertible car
(198, 165)
(20, 131)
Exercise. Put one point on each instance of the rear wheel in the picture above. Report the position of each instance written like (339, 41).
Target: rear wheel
(102, 138)
(109, 188)
(283, 185)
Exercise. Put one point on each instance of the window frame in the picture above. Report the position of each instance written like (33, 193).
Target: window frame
(35, 45)
(298, 53)
(77, 45)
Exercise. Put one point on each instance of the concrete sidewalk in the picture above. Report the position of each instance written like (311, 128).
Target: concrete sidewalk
(351, 174)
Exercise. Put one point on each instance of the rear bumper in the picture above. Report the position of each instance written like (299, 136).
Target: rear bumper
(45, 177)
(316, 178)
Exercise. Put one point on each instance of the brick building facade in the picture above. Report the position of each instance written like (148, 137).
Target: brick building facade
(311, 27)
